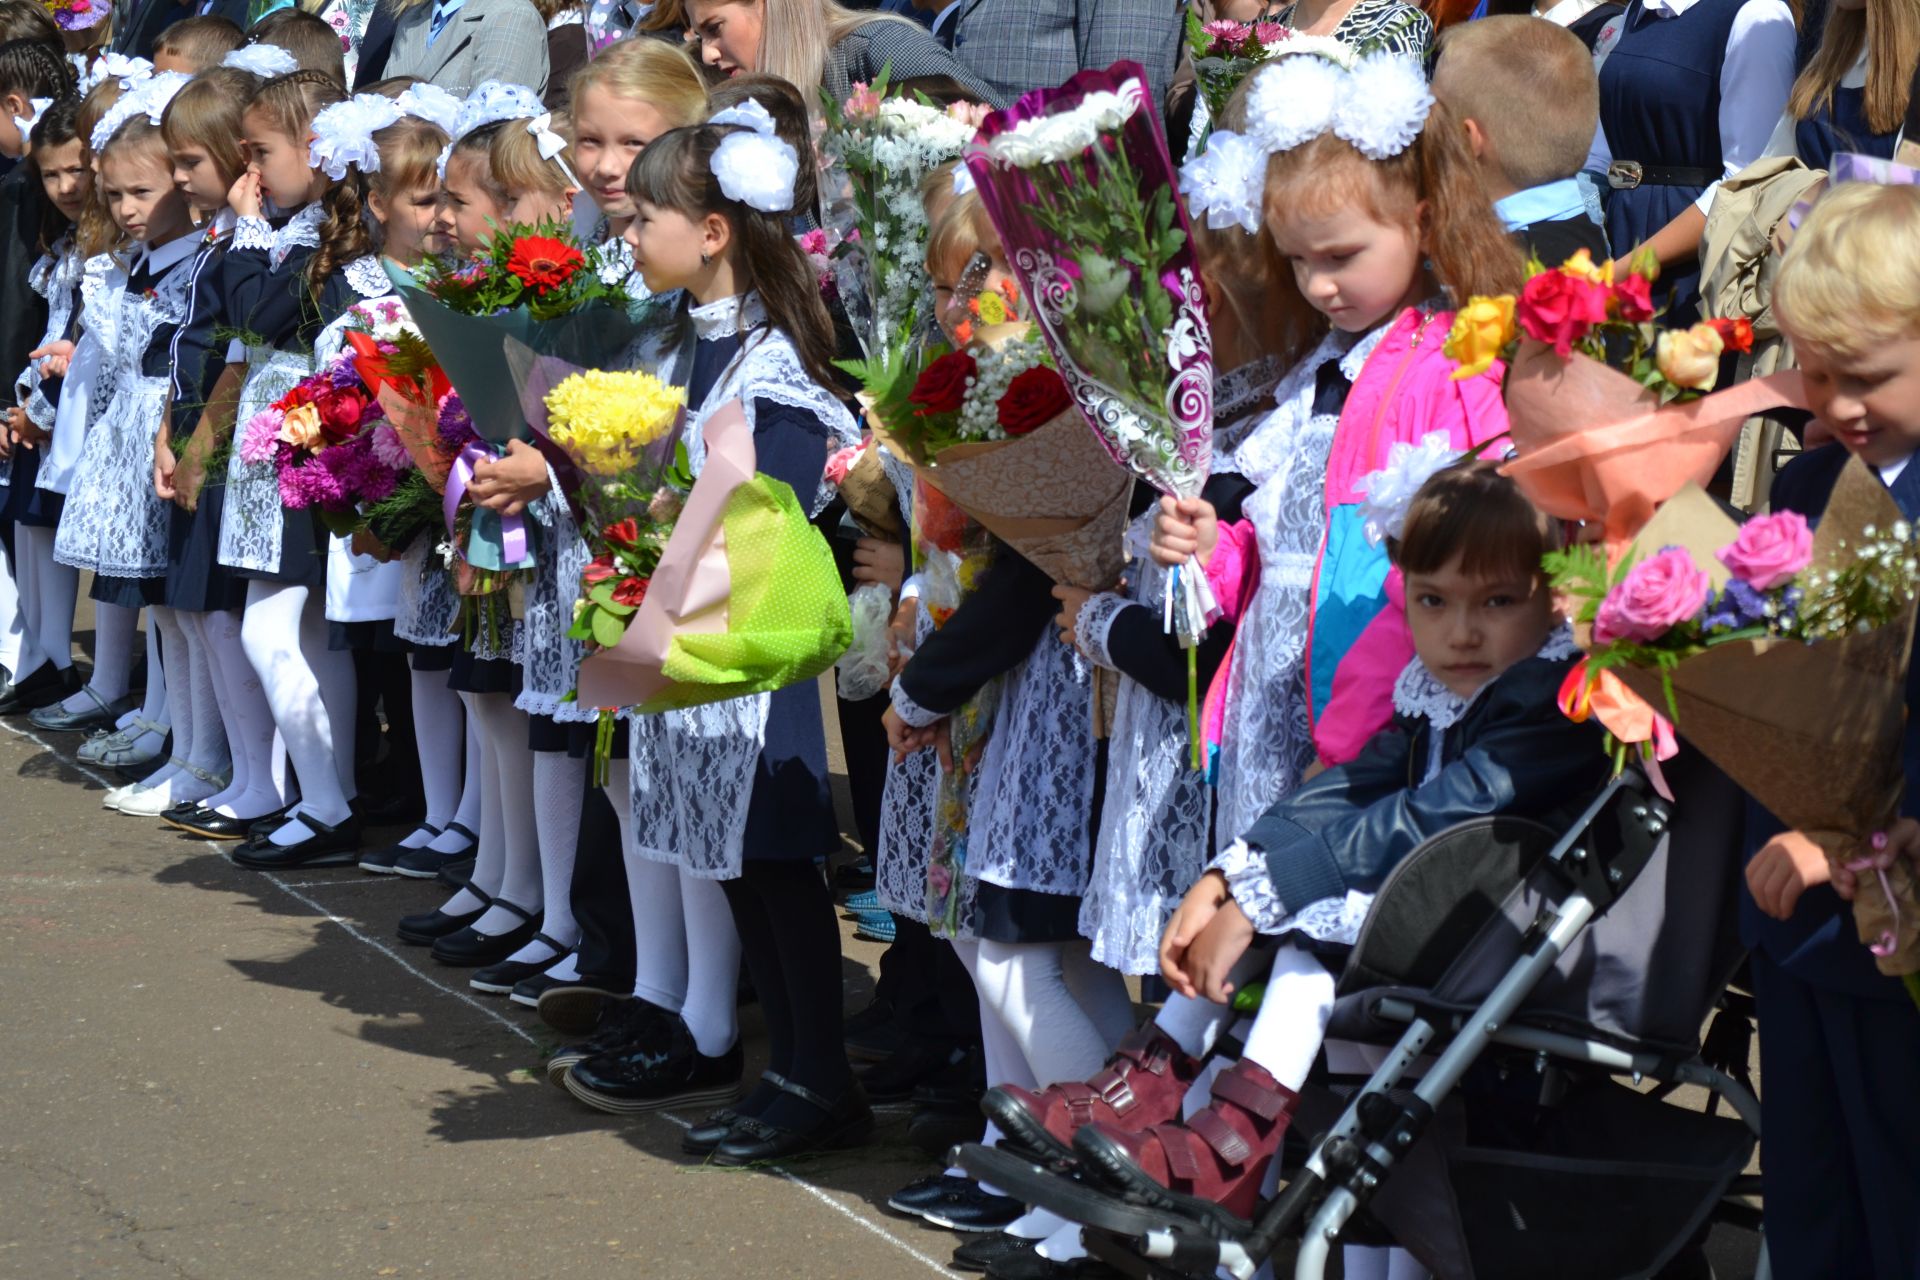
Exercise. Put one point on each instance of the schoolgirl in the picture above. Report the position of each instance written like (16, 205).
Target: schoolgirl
(38, 657)
(280, 285)
(626, 97)
(531, 164)
(1852, 93)
(202, 127)
(729, 801)
(473, 205)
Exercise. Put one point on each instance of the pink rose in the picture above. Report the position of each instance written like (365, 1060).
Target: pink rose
(1656, 595)
(1770, 550)
(838, 464)
(864, 104)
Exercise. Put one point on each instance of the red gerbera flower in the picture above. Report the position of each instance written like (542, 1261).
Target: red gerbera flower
(543, 263)
(630, 591)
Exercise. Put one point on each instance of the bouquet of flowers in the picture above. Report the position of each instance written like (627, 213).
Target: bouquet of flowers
(329, 445)
(79, 15)
(1610, 414)
(994, 428)
(1771, 646)
(1226, 53)
(888, 143)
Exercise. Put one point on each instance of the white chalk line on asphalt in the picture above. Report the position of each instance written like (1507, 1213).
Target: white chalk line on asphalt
(293, 890)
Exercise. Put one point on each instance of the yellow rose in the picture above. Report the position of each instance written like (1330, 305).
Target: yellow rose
(301, 428)
(1481, 331)
(1690, 358)
(1581, 266)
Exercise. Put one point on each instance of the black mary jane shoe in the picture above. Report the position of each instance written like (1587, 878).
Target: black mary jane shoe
(381, 861)
(428, 927)
(713, 1130)
(45, 685)
(258, 829)
(468, 948)
(326, 847)
(653, 1078)
(846, 1122)
(501, 979)
(209, 824)
(427, 864)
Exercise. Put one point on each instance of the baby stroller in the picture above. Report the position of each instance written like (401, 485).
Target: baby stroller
(1542, 968)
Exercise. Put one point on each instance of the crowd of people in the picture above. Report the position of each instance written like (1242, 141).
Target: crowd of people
(204, 199)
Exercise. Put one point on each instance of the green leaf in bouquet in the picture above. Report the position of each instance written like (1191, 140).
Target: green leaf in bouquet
(582, 628)
(607, 629)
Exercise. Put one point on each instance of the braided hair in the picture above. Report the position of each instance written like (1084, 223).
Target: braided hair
(32, 70)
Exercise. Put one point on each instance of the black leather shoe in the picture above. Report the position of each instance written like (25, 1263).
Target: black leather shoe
(426, 864)
(266, 824)
(649, 1078)
(429, 927)
(209, 825)
(983, 1251)
(712, 1130)
(468, 948)
(97, 714)
(500, 979)
(844, 1122)
(917, 1062)
(42, 687)
(626, 1024)
(528, 991)
(326, 847)
(381, 861)
(958, 1204)
(578, 1006)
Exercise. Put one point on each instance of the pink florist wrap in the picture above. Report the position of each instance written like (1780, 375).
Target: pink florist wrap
(690, 590)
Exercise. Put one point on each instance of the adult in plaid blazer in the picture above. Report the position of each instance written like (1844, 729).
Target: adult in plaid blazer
(478, 40)
(1017, 45)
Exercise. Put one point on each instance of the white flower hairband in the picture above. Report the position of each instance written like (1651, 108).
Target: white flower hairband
(147, 98)
(491, 102)
(1379, 105)
(264, 60)
(552, 146)
(115, 66)
(36, 107)
(431, 103)
(343, 134)
(756, 167)
(1389, 492)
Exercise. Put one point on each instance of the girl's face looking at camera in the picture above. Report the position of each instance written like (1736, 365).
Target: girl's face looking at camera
(1469, 628)
(140, 195)
(608, 132)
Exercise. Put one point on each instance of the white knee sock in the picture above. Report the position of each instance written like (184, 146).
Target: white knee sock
(270, 631)
(506, 728)
(1024, 983)
(1002, 1059)
(711, 1007)
(113, 634)
(439, 728)
(659, 920)
(490, 853)
(468, 814)
(55, 592)
(256, 789)
(1292, 1022)
(559, 783)
(339, 686)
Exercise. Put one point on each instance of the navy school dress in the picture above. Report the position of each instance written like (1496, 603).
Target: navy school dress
(1841, 125)
(1838, 1039)
(23, 322)
(1660, 108)
(196, 581)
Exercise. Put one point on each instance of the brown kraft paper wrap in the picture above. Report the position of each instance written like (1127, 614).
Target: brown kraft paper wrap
(1813, 731)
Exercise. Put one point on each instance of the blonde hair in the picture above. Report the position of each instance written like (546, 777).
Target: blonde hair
(1890, 31)
(796, 36)
(1851, 279)
(409, 156)
(653, 71)
(95, 232)
(1530, 86)
(206, 113)
(514, 160)
(202, 40)
(962, 230)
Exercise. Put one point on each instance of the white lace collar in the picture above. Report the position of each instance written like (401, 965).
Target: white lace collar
(728, 317)
(1419, 693)
(1261, 444)
(368, 278)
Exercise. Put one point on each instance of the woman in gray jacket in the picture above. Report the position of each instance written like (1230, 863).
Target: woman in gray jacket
(457, 44)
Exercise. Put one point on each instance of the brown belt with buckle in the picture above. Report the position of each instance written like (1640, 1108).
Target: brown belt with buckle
(1625, 175)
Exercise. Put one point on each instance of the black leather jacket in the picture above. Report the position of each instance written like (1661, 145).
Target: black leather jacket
(1513, 753)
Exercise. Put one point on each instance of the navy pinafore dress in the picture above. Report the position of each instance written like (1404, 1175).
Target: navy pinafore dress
(1841, 125)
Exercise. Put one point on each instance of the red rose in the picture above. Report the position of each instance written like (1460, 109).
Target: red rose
(299, 395)
(341, 410)
(1633, 299)
(1737, 334)
(542, 263)
(630, 591)
(943, 385)
(1560, 309)
(1036, 397)
(598, 570)
(623, 534)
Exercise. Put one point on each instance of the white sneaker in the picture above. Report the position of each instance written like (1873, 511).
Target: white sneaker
(148, 802)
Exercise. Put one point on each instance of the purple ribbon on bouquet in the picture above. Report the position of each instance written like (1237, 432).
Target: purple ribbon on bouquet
(513, 529)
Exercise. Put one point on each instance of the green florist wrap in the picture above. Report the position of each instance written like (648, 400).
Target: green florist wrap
(746, 598)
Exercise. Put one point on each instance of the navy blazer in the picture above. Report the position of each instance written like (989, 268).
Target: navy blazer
(1819, 944)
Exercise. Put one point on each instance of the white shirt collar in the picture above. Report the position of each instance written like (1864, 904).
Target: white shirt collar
(1568, 12)
(1669, 8)
(1890, 471)
(157, 260)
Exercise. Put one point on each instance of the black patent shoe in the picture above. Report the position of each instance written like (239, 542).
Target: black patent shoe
(652, 1078)
(209, 824)
(501, 979)
(326, 847)
(629, 1023)
(468, 948)
(844, 1122)
(381, 861)
(712, 1130)
(427, 864)
(45, 685)
(429, 927)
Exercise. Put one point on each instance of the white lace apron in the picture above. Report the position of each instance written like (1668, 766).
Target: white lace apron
(428, 605)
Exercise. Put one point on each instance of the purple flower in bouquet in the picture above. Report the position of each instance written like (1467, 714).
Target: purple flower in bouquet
(1770, 550)
(1739, 605)
(1657, 595)
(260, 438)
(388, 449)
(456, 424)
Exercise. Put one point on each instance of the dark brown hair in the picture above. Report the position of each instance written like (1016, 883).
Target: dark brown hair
(290, 103)
(29, 20)
(32, 70)
(315, 46)
(676, 172)
(206, 113)
(59, 124)
(1471, 511)
(789, 111)
(202, 40)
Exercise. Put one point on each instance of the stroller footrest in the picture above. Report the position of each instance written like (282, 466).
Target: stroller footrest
(1089, 1204)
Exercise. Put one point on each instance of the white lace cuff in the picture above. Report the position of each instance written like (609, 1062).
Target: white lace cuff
(912, 712)
(1095, 624)
(1251, 886)
(39, 410)
(253, 233)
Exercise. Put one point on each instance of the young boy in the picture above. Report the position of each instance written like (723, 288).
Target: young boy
(1838, 1040)
(1524, 90)
(194, 44)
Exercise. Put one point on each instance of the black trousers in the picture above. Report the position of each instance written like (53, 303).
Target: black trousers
(599, 896)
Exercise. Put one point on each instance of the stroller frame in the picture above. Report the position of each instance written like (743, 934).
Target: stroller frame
(1382, 1123)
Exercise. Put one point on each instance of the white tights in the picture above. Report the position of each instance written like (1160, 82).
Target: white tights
(507, 862)
(559, 782)
(256, 789)
(1064, 1010)
(17, 642)
(48, 592)
(193, 708)
(114, 629)
(473, 773)
(310, 690)
(439, 729)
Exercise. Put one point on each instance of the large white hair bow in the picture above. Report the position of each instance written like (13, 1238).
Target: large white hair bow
(1378, 104)
(552, 146)
(115, 66)
(756, 167)
(431, 103)
(263, 60)
(343, 134)
(491, 102)
(147, 98)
